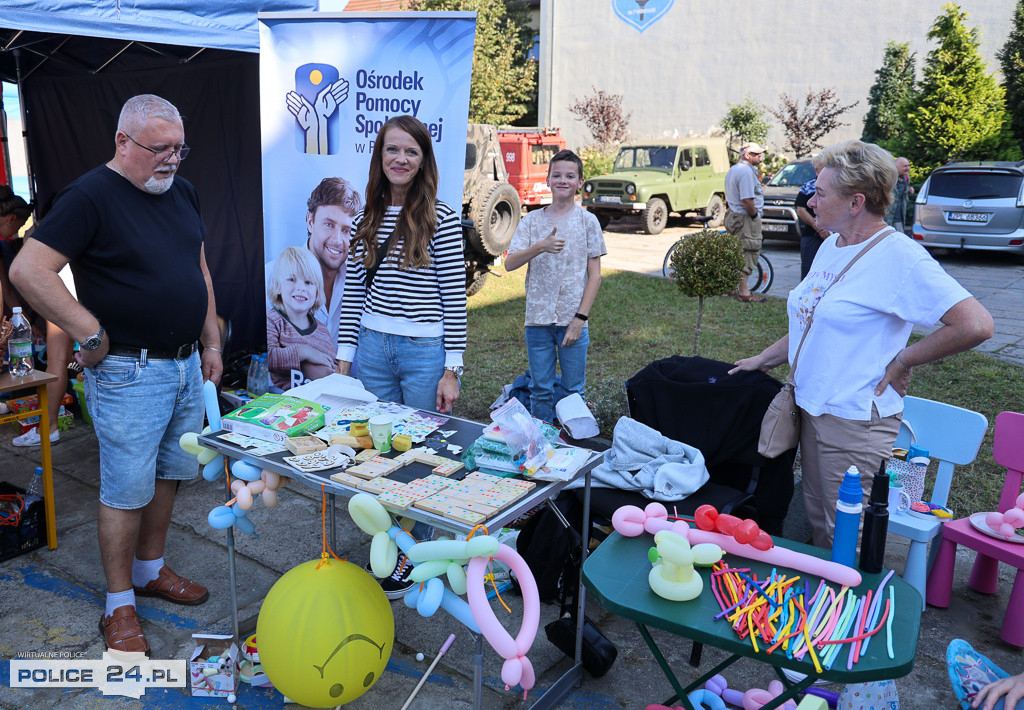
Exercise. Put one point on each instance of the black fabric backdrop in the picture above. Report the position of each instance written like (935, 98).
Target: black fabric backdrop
(71, 120)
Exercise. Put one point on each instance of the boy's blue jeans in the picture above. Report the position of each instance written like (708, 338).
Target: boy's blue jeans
(543, 347)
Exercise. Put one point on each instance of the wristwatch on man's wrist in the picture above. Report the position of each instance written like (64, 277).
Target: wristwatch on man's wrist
(457, 370)
(93, 342)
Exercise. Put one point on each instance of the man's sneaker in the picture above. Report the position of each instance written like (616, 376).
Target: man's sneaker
(397, 583)
(32, 438)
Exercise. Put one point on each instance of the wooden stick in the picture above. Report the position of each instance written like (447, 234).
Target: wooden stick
(433, 663)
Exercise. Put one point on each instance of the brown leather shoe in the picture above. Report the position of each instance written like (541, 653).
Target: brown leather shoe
(122, 631)
(174, 588)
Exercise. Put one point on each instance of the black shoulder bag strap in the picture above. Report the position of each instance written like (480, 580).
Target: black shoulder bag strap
(382, 252)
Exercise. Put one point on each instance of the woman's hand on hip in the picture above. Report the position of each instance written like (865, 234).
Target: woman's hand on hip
(573, 331)
(447, 392)
(897, 376)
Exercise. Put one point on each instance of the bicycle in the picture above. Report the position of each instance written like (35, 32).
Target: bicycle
(759, 281)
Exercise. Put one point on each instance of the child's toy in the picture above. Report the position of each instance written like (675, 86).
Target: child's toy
(927, 510)
(632, 521)
(426, 674)
(356, 442)
(300, 445)
(333, 457)
(1007, 524)
(213, 667)
(672, 577)
(275, 417)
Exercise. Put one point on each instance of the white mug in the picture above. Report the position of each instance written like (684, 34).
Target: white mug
(898, 499)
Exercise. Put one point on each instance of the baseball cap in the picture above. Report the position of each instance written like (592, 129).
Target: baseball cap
(751, 148)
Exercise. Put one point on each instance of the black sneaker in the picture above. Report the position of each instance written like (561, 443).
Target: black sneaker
(397, 583)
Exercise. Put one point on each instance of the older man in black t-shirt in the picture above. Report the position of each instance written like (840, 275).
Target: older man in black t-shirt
(133, 234)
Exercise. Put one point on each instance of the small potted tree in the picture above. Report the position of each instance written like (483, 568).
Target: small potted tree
(706, 264)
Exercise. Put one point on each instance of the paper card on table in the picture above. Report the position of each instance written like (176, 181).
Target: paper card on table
(317, 461)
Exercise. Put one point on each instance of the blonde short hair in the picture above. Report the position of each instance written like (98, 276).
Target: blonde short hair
(293, 260)
(863, 168)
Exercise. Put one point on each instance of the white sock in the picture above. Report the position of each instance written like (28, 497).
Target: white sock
(145, 571)
(119, 599)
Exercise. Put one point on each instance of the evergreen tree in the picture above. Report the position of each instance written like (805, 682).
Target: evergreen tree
(959, 111)
(504, 78)
(894, 85)
(1011, 57)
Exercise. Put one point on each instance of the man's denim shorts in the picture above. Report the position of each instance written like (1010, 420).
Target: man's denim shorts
(140, 408)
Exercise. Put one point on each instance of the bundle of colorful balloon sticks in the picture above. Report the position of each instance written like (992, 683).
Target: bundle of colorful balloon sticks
(780, 614)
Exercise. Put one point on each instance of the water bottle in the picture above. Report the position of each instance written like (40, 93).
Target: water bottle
(848, 508)
(259, 376)
(34, 491)
(876, 523)
(19, 347)
(251, 379)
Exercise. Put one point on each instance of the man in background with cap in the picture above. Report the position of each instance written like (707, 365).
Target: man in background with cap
(745, 198)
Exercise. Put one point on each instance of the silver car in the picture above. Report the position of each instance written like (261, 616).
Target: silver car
(972, 205)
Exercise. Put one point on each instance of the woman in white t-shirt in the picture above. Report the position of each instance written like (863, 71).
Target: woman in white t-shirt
(855, 365)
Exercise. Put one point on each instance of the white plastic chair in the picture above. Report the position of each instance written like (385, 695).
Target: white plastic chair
(952, 436)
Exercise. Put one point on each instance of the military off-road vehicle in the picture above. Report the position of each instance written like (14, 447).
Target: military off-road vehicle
(656, 177)
(490, 205)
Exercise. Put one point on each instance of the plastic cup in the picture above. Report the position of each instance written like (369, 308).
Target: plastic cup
(380, 430)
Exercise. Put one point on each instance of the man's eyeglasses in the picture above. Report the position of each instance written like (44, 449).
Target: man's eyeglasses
(165, 154)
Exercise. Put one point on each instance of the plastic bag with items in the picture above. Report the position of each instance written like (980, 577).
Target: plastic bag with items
(523, 435)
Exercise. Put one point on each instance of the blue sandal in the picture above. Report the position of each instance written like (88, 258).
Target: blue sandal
(969, 672)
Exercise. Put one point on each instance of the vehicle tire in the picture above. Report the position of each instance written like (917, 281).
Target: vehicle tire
(496, 212)
(475, 281)
(761, 278)
(655, 217)
(716, 211)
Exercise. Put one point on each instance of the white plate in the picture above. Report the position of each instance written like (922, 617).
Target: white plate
(928, 516)
(978, 521)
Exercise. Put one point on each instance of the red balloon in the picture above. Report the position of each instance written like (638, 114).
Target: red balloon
(763, 541)
(746, 531)
(704, 517)
(726, 523)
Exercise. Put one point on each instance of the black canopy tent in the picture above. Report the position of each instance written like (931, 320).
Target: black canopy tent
(74, 71)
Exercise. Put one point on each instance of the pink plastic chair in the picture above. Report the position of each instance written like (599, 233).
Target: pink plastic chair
(1007, 450)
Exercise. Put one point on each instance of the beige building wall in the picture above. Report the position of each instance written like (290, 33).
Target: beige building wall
(682, 71)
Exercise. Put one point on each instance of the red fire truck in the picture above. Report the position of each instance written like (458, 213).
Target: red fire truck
(527, 152)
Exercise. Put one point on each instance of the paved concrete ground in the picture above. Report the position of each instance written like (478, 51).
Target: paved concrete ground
(51, 600)
(997, 280)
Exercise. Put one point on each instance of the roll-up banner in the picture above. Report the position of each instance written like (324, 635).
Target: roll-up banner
(328, 82)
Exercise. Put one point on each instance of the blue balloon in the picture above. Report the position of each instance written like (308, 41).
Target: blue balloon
(246, 471)
(237, 510)
(215, 469)
(459, 608)
(246, 526)
(212, 406)
(706, 700)
(221, 518)
(430, 599)
(411, 596)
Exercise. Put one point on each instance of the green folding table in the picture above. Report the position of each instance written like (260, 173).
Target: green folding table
(616, 573)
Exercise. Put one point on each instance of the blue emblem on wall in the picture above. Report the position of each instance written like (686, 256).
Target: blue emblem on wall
(641, 13)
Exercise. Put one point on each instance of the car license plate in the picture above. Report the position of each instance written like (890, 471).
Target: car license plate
(774, 228)
(968, 217)
(610, 198)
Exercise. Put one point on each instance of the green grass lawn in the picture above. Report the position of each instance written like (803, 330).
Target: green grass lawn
(638, 319)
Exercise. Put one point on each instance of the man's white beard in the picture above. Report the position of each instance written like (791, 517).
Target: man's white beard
(158, 186)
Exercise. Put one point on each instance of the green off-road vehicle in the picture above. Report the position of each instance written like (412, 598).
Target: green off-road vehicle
(657, 177)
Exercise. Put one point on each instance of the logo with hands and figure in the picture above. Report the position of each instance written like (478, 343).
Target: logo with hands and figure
(319, 91)
(641, 13)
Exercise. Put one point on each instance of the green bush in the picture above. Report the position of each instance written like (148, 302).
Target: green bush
(597, 161)
(706, 264)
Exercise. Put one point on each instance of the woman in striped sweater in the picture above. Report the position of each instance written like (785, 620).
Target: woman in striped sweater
(404, 305)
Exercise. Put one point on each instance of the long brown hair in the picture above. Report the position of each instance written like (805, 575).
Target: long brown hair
(417, 221)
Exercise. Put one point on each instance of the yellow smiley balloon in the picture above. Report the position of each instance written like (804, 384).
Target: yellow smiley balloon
(325, 634)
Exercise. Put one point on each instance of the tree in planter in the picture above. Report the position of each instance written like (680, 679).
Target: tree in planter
(959, 110)
(887, 99)
(746, 122)
(707, 263)
(1011, 58)
(806, 125)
